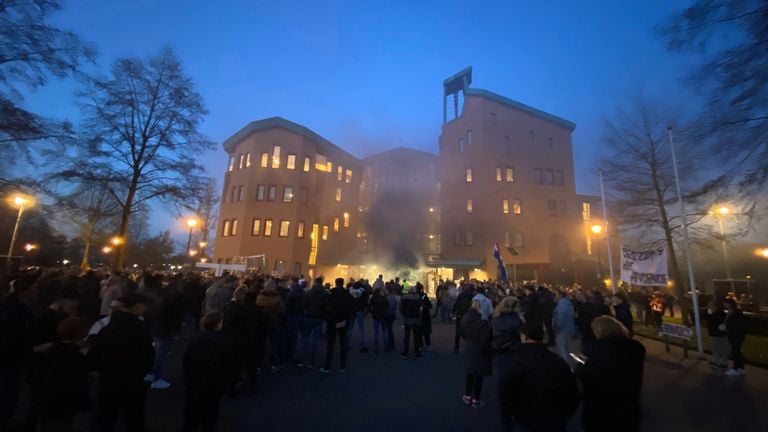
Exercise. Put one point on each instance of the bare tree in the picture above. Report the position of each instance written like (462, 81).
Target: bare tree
(637, 169)
(143, 120)
(31, 50)
(205, 202)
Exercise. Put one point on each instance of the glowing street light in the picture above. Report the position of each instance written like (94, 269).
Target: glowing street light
(106, 249)
(192, 253)
(191, 222)
(29, 247)
(116, 240)
(22, 202)
(763, 253)
(597, 229)
(65, 261)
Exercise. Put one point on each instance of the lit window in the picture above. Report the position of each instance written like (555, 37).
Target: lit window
(335, 224)
(304, 195)
(325, 232)
(517, 207)
(276, 156)
(469, 206)
(537, 176)
(505, 206)
(231, 164)
(469, 175)
(291, 162)
(321, 163)
(469, 137)
(241, 161)
(247, 160)
(461, 145)
(559, 178)
(307, 163)
(586, 211)
(240, 192)
(285, 228)
(518, 240)
(225, 230)
(264, 160)
(260, 189)
(300, 230)
(339, 173)
(548, 176)
(498, 174)
(272, 192)
(349, 176)
(457, 238)
(234, 227)
(256, 227)
(508, 145)
(469, 239)
(510, 175)
(267, 227)
(338, 194)
(329, 166)
(287, 194)
(346, 220)
(507, 239)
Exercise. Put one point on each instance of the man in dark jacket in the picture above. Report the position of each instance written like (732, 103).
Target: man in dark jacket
(537, 392)
(294, 312)
(338, 308)
(460, 307)
(314, 304)
(736, 327)
(206, 365)
(411, 309)
(122, 354)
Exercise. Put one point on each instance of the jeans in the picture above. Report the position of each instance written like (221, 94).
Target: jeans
(333, 332)
(474, 386)
(416, 339)
(360, 320)
(293, 328)
(445, 313)
(719, 350)
(310, 339)
(738, 357)
(563, 345)
(390, 333)
(379, 326)
(162, 348)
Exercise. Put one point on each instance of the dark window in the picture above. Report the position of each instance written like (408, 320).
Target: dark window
(260, 193)
(272, 193)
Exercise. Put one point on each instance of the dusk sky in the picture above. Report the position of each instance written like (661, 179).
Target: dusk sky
(368, 75)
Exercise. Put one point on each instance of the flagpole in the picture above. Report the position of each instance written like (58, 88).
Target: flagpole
(607, 238)
(687, 246)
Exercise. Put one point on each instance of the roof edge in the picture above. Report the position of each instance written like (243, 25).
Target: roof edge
(521, 106)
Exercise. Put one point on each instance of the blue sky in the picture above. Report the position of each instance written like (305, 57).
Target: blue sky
(367, 75)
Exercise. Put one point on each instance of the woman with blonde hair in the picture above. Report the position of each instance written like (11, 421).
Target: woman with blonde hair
(611, 378)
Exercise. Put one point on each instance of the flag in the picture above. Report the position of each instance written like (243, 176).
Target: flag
(502, 276)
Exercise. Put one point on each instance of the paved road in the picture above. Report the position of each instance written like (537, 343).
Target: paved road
(384, 393)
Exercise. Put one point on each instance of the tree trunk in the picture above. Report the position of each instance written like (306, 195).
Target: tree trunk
(124, 220)
(84, 264)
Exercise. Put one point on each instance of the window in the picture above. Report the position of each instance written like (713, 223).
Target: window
(517, 207)
(517, 239)
(338, 194)
(507, 239)
(304, 195)
(469, 137)
(469, 238)
(559, 178)
(510, 175)
(234, 227)
(264, 160)
(508, 145)
(586, 211)
(537, 176)
(231, 164)
(469, 206)
(300, 230)
(461, 145)
(225, 230)
(339, 173)
(291, 162)
(349, 176)
(247, 160)
(260, 193)
(335, 224)
(346, 220)
(548, 177)
(307, 163)
(552, 207)
(272, 192)
(287, 194)
(256, 227)
(267, 227)
(469, 175)
(325, 232)
(285, 228)
(276, 156)
(240, 192)
(328, 166)
(241, 161)
(498, 174)
(233, 195)
(505, 206)
(457, 238)
(492, 119)
(321, 163)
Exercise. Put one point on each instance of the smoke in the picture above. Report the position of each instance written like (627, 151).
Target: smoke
(397, 224)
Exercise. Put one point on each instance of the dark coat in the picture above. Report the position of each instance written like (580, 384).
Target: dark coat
(314, 302)
(477, 344)
(538, 389)
(66, 382)
(426, 314)
(462, 304)
(611, 379)
(207, 363)
(506, 333)
(379, 307)
(294, 302)
(714, 320)
(410, 307)
(339, 306)
(736, 326)
(122, 352)
(15, 321)
(624, 316)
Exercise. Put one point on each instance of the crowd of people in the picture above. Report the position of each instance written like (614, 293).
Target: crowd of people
(60, 329)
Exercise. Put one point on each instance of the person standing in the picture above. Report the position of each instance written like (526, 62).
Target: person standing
(623, 313)
(272, 303)
(611, 378)
(718, 338)
(410, 308)
(736, 327)
(314, 302)
(476, 354)
(393, 301)
(564, 325)
(506, 327)
(206, 366)
(460, 308)
(295, 314)
(379, 308)
(486, 306)
(426, 317)
(537, 391)
(122, 354)
(339, 306)
(547, 301)
(361, 296)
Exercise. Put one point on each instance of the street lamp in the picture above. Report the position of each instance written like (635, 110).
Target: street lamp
(763, 253)
(22, 202)
(191, 224)
(29, 247)
(116, 240)
(720, 213)
(202, 245)
(597, 229)
(106, 250)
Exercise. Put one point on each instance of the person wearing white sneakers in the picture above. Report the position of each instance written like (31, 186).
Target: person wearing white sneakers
(736, 328)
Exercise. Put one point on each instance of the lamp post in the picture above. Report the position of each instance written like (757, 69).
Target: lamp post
(763, 253)
(202, 245)
(22, 202)
(720, 214)
(191, 224)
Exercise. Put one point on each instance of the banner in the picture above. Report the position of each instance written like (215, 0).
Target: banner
(644, 267)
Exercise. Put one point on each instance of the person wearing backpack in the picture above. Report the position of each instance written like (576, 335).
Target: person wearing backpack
(460, 308)
(379, 308)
